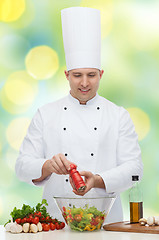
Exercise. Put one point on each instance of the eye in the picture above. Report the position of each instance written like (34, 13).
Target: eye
(77, 75)
(91, 75)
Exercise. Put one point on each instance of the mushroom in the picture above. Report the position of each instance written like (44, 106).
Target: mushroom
(8, 225)
(15, 228)
(26, 227)
(33, 228)
(142, 221)
(150, 220)
(157, 220)
(39, 226)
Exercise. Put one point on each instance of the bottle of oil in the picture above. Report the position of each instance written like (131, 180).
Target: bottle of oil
(135, 201)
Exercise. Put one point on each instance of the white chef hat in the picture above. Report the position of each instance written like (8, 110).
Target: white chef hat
(81, 30)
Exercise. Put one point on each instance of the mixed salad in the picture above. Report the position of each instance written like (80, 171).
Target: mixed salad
(83, 219)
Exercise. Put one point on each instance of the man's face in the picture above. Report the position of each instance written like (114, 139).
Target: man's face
(84, 83)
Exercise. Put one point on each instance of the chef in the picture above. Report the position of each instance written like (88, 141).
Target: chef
(82, 128)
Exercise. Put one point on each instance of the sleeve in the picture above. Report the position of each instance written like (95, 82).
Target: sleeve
(31, 156)
(128, 157)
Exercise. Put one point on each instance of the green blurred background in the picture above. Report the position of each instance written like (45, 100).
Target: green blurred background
(32, 64)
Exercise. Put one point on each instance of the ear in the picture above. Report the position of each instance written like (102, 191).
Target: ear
(101, 73)
(66, 74)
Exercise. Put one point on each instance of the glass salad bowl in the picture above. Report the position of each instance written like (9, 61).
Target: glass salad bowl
(85, 214)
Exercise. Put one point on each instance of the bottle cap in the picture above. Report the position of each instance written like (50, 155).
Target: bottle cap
(135, 178)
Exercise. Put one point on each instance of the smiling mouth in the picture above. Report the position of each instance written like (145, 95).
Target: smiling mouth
(84, 91)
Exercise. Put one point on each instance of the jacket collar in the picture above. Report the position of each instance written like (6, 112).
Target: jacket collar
(90, 102)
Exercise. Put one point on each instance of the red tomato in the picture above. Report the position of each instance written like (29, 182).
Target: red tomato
(57, 225)
(48, 219)
(42, 219)
(38, 214)
(29, 220)
(35, 220)
(24, 220)
(78, 217)
(46, 227)
(52, 226)
(42, 226)
(98, 219)
(94, 222)
(18, 220)
(64, 209)
(62, 225)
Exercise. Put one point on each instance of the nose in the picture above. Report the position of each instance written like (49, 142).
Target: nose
(84, 81)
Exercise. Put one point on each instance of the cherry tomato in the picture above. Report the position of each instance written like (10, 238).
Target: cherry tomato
(42, 224)
(98, 219)
(38, 214)
(29, 220)
(52, 226)
(42, 219)
(18, 220)
(94, 222)
(35, 220)
(77, 217)
(62, 225)
(24, 220)
(57, 225)
(48, 219)
(46, 227)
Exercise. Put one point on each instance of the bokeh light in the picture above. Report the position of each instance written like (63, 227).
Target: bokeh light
(58, 82)
(10, 157)
(141, 121)
(11, 10)
(144, 25)
(26, 18)
(18, 92)
(16, 131)
(13, 49)
(106, 8)
(42, 62)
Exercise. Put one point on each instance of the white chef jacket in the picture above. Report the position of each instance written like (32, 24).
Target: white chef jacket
(99, 137)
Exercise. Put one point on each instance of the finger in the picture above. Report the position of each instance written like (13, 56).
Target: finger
(66, 162)
(63, 163)
(85, 173)
(57, 165)
(54, 167)
(79, 193)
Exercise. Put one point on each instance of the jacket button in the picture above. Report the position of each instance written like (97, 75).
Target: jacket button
(65, 154)
(64, 128)
(95, 128)
(65, 108)
(66, 180)
(98, 108)
(92, 154)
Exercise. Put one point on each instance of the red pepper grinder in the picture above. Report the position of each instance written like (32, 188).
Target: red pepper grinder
(77, 179)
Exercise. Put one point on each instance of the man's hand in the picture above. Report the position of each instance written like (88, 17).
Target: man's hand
(91, 181)
(57, 164)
